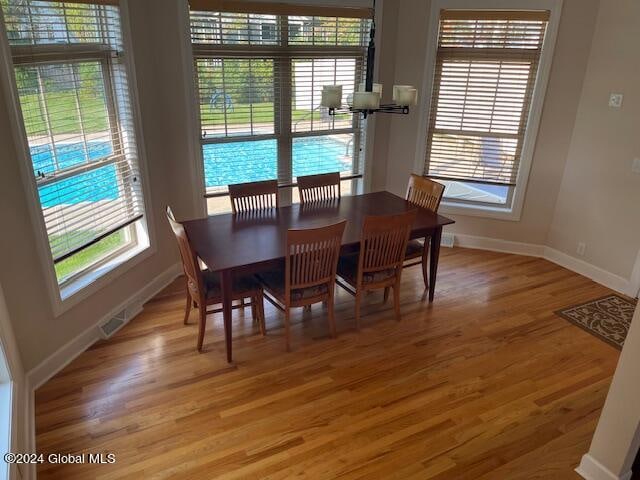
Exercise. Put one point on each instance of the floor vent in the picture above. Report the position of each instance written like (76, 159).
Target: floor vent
(114, 324)
(448, 239)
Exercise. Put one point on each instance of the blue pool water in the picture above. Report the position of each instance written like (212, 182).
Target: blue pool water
(239, 162)
(224, 164)
(93, 186)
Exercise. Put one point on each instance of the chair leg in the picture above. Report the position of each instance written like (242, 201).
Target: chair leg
(358, 310)
(202, 325)
(396, 299)
(331, 316)
(386, 294)
(254, 311)
(287, 329)
(187, 309)
(261, 320)
(425, 263)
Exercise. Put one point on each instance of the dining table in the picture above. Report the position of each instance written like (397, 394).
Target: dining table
(242, 243)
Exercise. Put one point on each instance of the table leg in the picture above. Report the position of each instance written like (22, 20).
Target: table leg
(433, 261)
(225, 286)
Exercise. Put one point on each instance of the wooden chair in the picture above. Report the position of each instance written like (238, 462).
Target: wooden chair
(308, 274)
(316, 188)
(254, 196)
(424, 193)
(379, 263)
(203, 286)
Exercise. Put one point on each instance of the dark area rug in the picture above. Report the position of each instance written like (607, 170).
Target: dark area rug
(607, 318)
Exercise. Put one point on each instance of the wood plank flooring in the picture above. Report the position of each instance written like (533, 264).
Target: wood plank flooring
(486, 383)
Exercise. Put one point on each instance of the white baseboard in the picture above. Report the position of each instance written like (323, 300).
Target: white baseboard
(63, 356)
(591, 469)
(498, 245)
(597, 274)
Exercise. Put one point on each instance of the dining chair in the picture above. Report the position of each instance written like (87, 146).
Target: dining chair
(315, 188)
(254, 196)
(308, 273)
(427, 194)
(203, 286)
(378, 264)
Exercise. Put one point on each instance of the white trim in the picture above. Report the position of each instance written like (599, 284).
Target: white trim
(591, 469)
(498, 245)
(370, 133)
(74, 347)
(597, 274)
(11, 353)
(535, 113)
(194, 149)
(29, 470)
(88, 285)
(486, 211)
(634, 289)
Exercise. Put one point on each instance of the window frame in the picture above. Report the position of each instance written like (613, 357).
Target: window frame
(101, 273)
(359, 181)
(513, 210)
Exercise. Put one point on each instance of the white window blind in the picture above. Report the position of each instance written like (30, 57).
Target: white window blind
(485, 73)
(73, 92)
(259, 78)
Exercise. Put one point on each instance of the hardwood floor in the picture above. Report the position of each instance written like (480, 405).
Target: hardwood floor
(487, 383)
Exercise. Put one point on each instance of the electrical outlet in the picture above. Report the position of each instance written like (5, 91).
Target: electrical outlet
(635, 166)
(615, 100)
(581, 248)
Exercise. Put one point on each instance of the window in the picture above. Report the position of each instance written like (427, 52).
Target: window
(73, 94)
(485, 78)
(259, 79)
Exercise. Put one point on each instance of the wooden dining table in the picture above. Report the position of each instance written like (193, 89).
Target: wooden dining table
(244, 243)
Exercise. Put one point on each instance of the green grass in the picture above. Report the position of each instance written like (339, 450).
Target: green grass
(89, 255)
(262, 113)
(64, 117)
(63, 113)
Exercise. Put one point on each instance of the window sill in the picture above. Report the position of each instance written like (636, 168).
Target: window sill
(486, 211)
(91, 282)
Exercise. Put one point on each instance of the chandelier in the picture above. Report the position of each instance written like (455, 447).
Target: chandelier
(367, 99)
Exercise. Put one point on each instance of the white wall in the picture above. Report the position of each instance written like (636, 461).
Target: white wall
(599, 196)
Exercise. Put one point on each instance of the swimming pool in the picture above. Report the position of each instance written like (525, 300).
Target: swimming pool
(224, 164)
(240, 162)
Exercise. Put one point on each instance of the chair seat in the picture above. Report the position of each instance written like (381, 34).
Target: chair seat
(414, 249)
(243, 286)
(274, 281)
(348, 270)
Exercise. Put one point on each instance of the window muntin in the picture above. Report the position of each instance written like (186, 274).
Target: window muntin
(236, 96)
(308, 76)
(224, 28)
(259, 96)
(484, 80)
(73, 94)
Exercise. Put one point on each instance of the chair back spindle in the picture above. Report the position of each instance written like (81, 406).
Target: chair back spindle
(384, 241)
(254, 196)
(424, 192)
(316, 188)
(312, 256)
